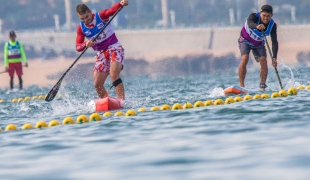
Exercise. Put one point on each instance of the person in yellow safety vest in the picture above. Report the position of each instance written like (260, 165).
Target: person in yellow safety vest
(13, 53)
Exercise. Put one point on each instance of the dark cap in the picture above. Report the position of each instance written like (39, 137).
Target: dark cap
(12, 33)
(267, 8)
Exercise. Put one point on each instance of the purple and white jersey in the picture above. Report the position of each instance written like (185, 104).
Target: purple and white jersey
(254, 36)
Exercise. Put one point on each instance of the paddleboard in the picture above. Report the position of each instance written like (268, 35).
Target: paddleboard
(14, 91)
(108, 104)
(235, 90)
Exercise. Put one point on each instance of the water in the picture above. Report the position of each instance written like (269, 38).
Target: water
(258, 139)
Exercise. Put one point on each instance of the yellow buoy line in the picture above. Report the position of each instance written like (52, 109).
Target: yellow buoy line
(27, 98)
(97, 117)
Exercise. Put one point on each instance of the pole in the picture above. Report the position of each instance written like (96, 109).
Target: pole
(68, 14)
(165, 13)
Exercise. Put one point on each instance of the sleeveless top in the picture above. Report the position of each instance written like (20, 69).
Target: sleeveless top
(254, 35)
(105, 39)
(14, 51)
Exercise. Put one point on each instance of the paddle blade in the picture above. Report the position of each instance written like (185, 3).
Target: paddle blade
(52, 94)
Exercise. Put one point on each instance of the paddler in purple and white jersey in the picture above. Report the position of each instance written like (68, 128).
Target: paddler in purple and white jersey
(110, 53)
(252, 38)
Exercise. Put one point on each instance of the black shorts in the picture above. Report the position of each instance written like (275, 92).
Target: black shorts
(245, 48)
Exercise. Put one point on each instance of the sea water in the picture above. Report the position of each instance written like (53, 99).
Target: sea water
(257, 139)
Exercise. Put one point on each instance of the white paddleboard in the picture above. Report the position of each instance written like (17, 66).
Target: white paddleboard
(14, 91)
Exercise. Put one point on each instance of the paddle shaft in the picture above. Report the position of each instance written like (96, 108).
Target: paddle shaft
(51, 95)
(270, 53)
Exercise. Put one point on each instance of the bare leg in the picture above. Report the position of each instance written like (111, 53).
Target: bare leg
(263, 70)
(242, 68)
(115, 70)
(99, 79)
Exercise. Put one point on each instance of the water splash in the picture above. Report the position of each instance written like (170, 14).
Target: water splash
(216, 92)
(288, 82)
(286, 75)
(71, 103)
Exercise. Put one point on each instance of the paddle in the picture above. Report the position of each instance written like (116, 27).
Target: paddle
(270, 53)
(51, 95)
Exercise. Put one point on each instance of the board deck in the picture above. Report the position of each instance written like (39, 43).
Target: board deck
(14, 91)
(235, 90)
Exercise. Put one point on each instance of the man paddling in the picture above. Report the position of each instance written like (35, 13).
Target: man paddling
(110, 53)
(13, 53)
(252, 38)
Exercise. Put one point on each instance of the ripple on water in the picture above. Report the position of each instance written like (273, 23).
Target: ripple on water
(265, 139)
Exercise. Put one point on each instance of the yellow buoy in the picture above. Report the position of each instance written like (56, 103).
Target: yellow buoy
(0, 129)
(142, 110)
(238, 99)
(106, 114)
(131, 112)
(1, 101)
(308, 87)
(187, 105)
(199, 104)
(119, 113)
(20, 100)
(177, 106)
(218, 102)
(27, 126)
(14, 100)
(265, 96)
(53, 123)
(292, 91)
(95, 117)
(275, 95)
(11, 127)
(27, 98)
(301, 87)
(41, 97)
(41, 124)
(209, 103)
(68, 120)
(155, 108)
(283, 93)
(59, 96)
(165, 107)
(34, 97)
(229, 100)
(257, 96)
(81, 119)
(247, 98)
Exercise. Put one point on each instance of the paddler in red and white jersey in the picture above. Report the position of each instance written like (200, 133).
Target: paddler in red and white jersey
(110, 53)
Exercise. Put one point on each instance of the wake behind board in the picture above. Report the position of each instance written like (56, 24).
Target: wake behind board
(235, 90)
(108, 104)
